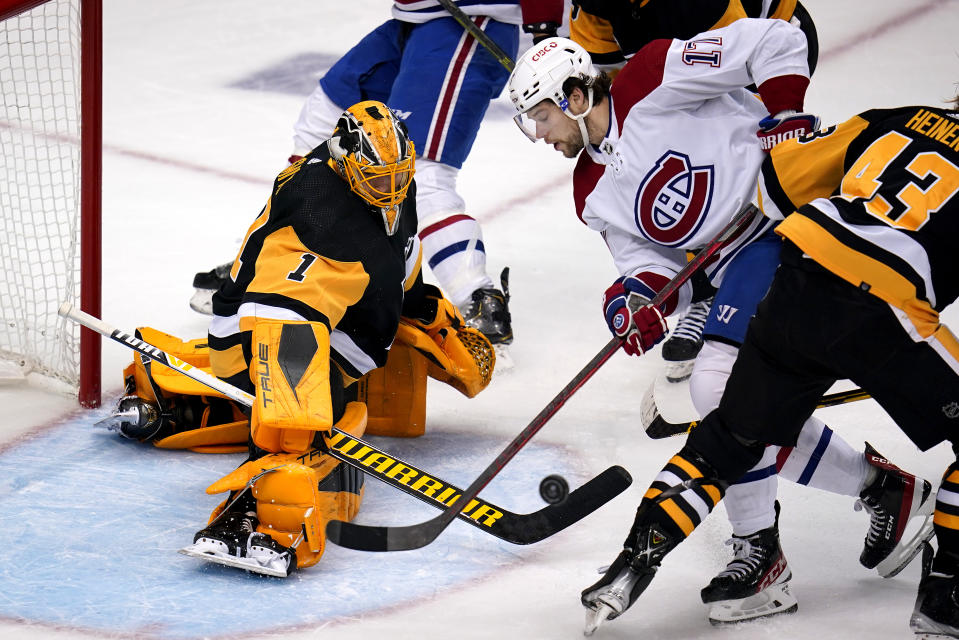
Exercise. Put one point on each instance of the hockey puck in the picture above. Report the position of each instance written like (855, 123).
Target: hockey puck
(553, 489)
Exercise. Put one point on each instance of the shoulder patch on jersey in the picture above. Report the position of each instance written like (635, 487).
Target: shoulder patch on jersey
(673, 199)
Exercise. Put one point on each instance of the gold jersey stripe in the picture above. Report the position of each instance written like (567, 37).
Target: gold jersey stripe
(953, 477)
(734, 11)
(651, 493)
(678, 516)
(228, 362)
(713, 493)
(686, 466)
(945, 520)
(803, 181)
(785, 10)
(286, 267)
(593, 33)
(857, 268)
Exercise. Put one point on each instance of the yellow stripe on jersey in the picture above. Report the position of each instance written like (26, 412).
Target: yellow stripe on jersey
(734, 11)
(261, 220)
(286, 267)
(953, 477)
(812, 167)
(227, 363)
(593, 33)
(686, 466)
(945, 520)
(785, 10)
(651, 493)
(676, 515)
(713, 492)
(411, 276)
(857, 268)
(949, 342)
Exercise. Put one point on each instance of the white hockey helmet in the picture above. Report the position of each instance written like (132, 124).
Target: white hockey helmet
(539, 75)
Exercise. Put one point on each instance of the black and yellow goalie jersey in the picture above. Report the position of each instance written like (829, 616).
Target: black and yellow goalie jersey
(317, 253)
(883, 204)
(613, 30)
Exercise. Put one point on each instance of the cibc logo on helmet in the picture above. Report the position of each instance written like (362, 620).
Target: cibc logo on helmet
(544, 50)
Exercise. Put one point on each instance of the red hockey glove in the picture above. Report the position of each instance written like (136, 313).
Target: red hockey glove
(631, 318)
(783, 126)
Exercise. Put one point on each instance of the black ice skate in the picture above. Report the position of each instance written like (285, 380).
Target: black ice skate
(900, 507)
(755, 584)
(205, 284)
(936, 614)
(488, 312)
(232, 540)
(629, 575)
(685, 341)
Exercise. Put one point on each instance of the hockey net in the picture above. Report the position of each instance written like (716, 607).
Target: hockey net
(49, 189)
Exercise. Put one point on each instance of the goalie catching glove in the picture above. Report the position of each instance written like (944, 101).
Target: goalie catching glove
(458, 355)
(631, 318)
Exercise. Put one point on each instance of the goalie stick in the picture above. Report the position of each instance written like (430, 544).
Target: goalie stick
(401, 538)
(657, 427)
(511, 527)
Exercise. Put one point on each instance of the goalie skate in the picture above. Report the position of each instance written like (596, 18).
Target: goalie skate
(232, 540)
(936, 613)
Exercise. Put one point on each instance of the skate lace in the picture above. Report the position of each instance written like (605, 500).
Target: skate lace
(747, 557)
(878, 520)
(691, 324)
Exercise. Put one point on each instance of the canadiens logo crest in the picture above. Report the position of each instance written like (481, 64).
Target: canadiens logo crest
(673, 199)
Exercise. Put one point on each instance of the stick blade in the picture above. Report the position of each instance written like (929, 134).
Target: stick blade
(514, 528)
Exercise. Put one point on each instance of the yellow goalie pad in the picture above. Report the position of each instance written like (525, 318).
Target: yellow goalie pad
(395, 394)
(204, 420)
(297, 495)
(291, 373)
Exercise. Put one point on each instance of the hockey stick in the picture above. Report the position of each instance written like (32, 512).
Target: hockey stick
(657, 427)
(478, 33)
(508, 526)
(401, 538)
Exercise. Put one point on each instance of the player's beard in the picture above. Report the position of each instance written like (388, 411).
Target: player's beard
(572, 145)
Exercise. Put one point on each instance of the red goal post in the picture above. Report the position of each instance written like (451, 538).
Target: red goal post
(50, 129)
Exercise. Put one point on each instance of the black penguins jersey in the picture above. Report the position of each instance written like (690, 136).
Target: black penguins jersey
(318, 253)
(883, 204)
(613, 30)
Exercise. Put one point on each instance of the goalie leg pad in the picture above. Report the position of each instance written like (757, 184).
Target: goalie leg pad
(295, 502)
(291, 373)
(395, 394)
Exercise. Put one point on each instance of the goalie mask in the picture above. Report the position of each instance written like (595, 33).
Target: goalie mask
(374, 154)
(539, 75)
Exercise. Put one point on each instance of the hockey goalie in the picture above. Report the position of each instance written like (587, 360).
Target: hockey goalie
(327, 321)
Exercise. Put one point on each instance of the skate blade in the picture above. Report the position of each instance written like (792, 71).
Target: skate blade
(202, 301)
(504, 361)
(919, 530)
(596, 617)
(679, 370)
(248, 564)
(926, 629)
(770, 601)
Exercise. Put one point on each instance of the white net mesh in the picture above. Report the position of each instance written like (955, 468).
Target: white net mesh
(40, 188)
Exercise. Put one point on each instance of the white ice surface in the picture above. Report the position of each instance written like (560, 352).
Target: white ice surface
(189, 161)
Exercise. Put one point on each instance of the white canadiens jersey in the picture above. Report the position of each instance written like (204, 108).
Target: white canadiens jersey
(681, 156)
